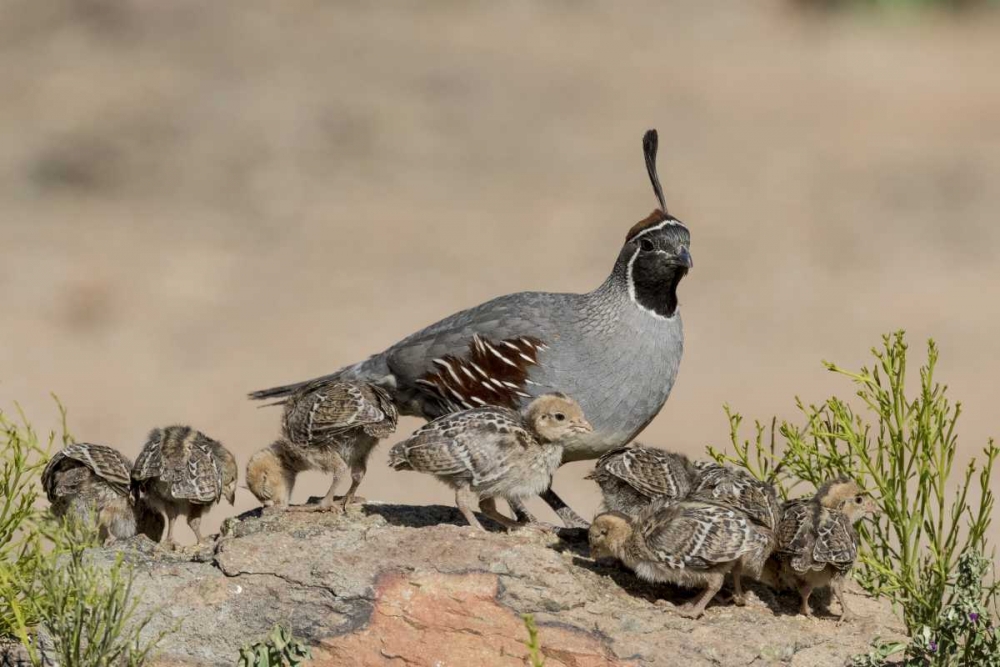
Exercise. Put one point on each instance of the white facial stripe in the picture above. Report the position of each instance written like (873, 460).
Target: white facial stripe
(669, 222)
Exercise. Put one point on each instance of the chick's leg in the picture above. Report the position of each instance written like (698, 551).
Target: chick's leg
(488, 506)
(464, 498)
(846, 615)
(565, 512)
(696, 609)
(327, 503)
(739, 597)
(357, 474)
(168, 540)
(805, 590)
(194, 521)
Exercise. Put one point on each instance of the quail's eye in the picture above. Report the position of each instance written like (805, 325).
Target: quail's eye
(645, 245)
(559, 417)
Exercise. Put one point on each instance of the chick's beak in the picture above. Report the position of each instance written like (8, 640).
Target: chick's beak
(582, 426)
(231, 495)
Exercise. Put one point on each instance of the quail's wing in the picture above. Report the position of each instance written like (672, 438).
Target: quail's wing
(105, 462)
(836, 540)
(737, 488)
(796, 528)
(651, 472)
(149, 463)
(486, 355)
(699, 535)
(324, 409)
(470, 445)
(201, 478)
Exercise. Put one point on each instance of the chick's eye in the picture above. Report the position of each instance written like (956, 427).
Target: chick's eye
(559, 417)
(645, 245)
(859, 499)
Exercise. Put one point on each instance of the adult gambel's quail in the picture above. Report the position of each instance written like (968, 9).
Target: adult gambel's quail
(331, 426)
(91, 482)
(487, 453)
(183, 471)
(616, 349)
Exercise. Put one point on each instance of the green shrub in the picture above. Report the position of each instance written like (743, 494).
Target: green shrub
(902, 449)
(534, 644)
(46, 578)
(22, 458)
(280, 649)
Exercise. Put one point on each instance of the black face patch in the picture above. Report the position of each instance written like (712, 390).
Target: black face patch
(659, 262)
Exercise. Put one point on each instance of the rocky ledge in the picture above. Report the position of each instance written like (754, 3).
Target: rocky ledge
(401, 585)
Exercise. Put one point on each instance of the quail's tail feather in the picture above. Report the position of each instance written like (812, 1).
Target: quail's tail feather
(288, 389)
(373, 369)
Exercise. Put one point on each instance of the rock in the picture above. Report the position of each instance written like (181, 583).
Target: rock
(391, 584)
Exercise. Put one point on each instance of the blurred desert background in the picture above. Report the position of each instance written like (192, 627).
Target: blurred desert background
(201, 199)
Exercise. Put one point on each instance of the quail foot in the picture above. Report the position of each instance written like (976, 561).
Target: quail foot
(490, 452)
(181, 471)
(616, 349)
(331, 426)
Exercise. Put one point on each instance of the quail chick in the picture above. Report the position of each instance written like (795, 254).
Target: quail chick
(633, 476)
(687, 543)
(91, 482)
(817, 543)
(181, 471)
(331, 426)
(487, 453)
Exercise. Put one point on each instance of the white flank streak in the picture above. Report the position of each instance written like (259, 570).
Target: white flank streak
(531, 382)
(511, 345)
(479, 400)
(526, 357)
(468, 372)
(457, 395)
(502, 358)
(480, 370)
(497, 383)
(488, 386)
(510, 385)
(522, 394)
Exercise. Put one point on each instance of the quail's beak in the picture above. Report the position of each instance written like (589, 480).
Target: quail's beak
(582, 426)
(683, 258)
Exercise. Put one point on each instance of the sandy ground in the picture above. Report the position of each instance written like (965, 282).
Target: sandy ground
(201, 199)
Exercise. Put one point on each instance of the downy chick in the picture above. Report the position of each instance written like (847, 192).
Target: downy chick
(817, 543)
(329, 426)
(490, 452)
(688, 543)
(633, 476)
(91, 483)
(181, 471)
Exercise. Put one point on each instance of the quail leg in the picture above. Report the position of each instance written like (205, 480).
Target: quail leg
(327, 503)
(697, 608)
(168, 540)
(488, 506)
(194, 522)
(570, 518)
(846, 615)
(739, 597)
(464, 497)
(805, 590)
(357, 474)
